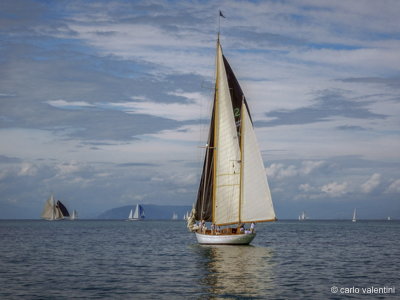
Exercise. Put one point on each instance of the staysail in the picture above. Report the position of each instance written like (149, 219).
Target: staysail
(256, 201)
(233, 186)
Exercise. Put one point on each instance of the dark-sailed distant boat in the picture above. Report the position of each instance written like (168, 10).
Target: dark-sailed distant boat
(233, 187)
(54, 210)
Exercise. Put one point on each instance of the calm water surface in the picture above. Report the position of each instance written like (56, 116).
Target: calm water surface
(161, 260)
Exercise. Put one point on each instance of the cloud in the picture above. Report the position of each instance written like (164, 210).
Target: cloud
(189, 110)
(69, 105)
(394, 187)
(371, 184)
(310, 165)
(27, 169)
(393, 82)
(335, 189)
(306, 188)
(328, 105)
(281, 171)
(350, 128)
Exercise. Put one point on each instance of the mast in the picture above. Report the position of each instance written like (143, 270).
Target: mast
(241, 160)
(53, 206)
(216, 123)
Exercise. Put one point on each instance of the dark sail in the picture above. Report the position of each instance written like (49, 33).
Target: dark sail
(63, 209)
(237, 95)
(204, 194)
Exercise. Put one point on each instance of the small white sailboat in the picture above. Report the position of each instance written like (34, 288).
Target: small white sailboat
(354, 216)
(302, 217)
(74, 215)
(174, 216)
(233, 187)
(137, 215)
(54, 210)
(389, 218)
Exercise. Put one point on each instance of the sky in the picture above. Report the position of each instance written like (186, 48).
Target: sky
(107, 103)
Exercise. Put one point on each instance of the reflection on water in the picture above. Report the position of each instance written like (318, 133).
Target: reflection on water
(236, 271)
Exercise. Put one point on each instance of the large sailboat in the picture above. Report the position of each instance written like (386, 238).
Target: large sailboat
(137, 215)
(233, 187)
(54, 210)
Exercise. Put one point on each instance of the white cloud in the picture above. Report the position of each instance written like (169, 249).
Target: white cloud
(309, 166)
(27, 169)
(71, 167)
(394, 187)
(306, 187)
(280, 171)
(372, 183)
(68, 104)
(195, 103)
(335, 189)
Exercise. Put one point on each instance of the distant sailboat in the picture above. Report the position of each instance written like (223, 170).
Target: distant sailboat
(186, 216)
(233, 187)
(137, 215)
(174, 216)
(302, 217)
(388, 218)
(74, 215)
(354, 216)
(54, 210)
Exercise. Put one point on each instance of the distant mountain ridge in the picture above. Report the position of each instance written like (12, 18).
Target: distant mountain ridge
(152, 212)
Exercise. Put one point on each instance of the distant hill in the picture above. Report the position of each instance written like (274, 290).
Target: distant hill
(152, 212)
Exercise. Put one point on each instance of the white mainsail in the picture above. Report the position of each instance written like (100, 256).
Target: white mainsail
(256, 202)
(354, 216)
(48, 211)
(136, 214)
(227, 166)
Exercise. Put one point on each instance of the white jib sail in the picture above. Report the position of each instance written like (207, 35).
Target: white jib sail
(130, 214)
(256, 202)
(227, 177)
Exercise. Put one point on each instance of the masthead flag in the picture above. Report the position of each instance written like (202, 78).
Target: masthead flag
(221, 15)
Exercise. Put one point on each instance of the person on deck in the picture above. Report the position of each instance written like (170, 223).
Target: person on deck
(252, 227)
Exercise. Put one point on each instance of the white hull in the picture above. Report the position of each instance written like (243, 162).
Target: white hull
(221, 239)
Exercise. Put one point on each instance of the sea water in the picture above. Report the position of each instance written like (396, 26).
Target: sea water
(91, 259)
